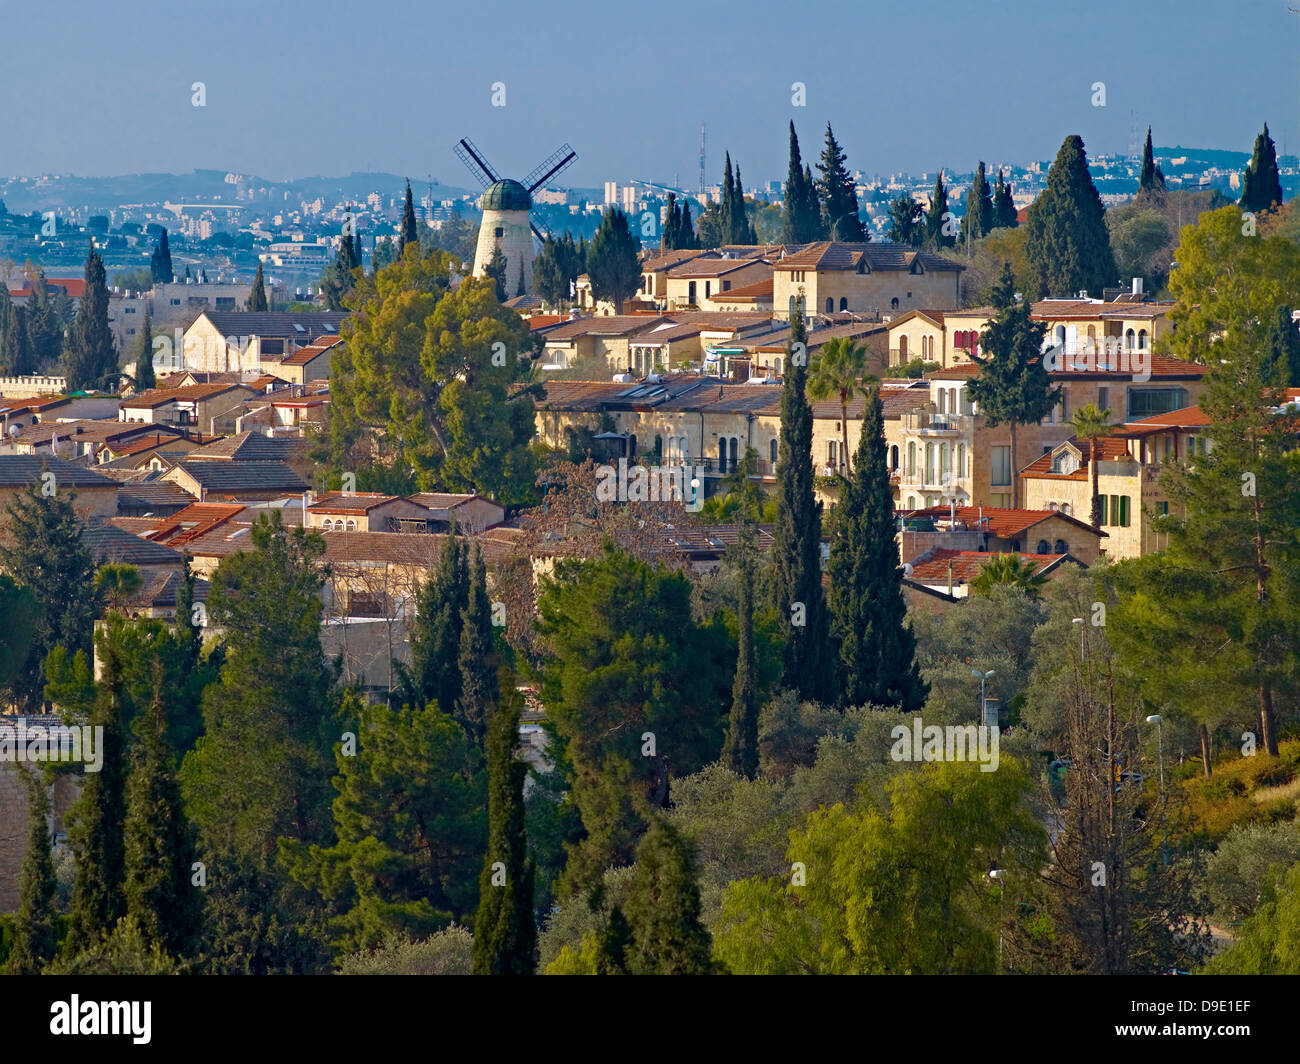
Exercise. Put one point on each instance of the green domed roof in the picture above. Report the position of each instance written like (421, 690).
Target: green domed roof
(506, 196)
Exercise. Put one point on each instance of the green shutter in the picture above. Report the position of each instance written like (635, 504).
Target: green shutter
(1123, 511)
(1103, 517)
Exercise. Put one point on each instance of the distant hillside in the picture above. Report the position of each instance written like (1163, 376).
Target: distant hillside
(23, 195)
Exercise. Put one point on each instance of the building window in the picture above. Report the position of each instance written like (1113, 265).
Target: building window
(832, 451)
(1000, 501)
(830, 305)
(1147, 402)
(771, 449)
(1162, 508)
(911, 458)
(1060, 547)
(1001, 463)
(726, 286)
(844, 303)
(1043, 547)
(1103, 397)
(893, 303)
(893, 455)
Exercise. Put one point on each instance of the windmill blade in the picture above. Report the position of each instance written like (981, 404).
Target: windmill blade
(537, 232)
(558, 160)
(475, 163)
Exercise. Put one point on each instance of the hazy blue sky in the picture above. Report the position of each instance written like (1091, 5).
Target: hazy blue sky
(326, 87)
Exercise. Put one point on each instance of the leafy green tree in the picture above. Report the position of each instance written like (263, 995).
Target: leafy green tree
(663, 908)
(741, 748)
(409, 828)
(906, 220)
(159, 843)
(796, 549)
(687, 237)
(441, 602)
(6, 320)
(1090, 425)
(877, 649)
(160, 262)
(1013, 387)
(505, 933)
(409, 233)
(1261, 187)
(837, 373)
(122, 951)
(979, 217)
(889, 894)
(1269, 942)
(548, 273)
(802, 206)
(116, 583)
(446, 952)
(939, 233)
(257, 297)
(18, 356)
(1068, 245)
(612, 262)
(1245, 870)
(35, 933)
(617, 634)
(44, 551)
(1008, 570)
(44, 329)
(97, 821)
(1150, 179)
(428, 375)
(839, 197)
(1004, 207)
(144, 374)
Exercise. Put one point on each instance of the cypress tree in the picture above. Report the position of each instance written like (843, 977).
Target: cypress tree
(1283, 362)
(743, 232)
(1150, 179)
(663, 908)
(615, 941)
(935, 237)
(519, 288)
(877, 649)
(1067, 247)
(741, 749)
(477, 658)
(409, 233)
(1262, 187)
(435, 638)
(1004, 207)
(496, 269)
(160, 262)
(802, 211)
(97, 821)
(34, 930)
(728, 203)
(838, 194)
(687, 238)
(812, 207)
(159, 844)
(144, 374)
(505, 931)
(91, 354)
(796, 549)
(6, 319)
(978, 219)
(257, 297)
(44, 332)
(17, 355)
(1013, 387)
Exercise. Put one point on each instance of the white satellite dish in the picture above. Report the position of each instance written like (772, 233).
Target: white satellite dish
(907, 569)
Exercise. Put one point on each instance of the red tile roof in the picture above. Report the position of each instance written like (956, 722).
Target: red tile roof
(1109, 449)
(312, 351)
(932, 567)
(202, 517)
(1002, 523)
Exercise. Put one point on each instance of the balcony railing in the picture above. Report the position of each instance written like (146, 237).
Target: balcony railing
(926, 421)
(713, 466)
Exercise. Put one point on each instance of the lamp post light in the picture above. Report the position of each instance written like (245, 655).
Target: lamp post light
(996, 875)
(1159, 722)
(983, 676)
(1083, 655)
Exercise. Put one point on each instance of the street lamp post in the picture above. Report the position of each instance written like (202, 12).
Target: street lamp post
(983, 676)
(1159, 722)
(996, 876)
(1083, 654)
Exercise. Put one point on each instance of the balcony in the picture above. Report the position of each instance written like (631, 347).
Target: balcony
(930, 423)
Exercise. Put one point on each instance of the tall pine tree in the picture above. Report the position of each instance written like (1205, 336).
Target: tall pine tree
(663, 908)
(838, 194)
(802, 216)
(505, 932)
(1150, 179)
(477, 658)
(978, 219)
(1004, 207)
(144, 374)
(92, 352)
(877, 650)
(1262, 187)
(1067, 245)
(160, 262)
(434, 675)
(939, 233)
(796, 549)
(741, 749)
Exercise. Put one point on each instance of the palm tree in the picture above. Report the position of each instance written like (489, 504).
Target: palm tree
(1091, 424)
(837, 372)
(116, 583)
(1009, 569)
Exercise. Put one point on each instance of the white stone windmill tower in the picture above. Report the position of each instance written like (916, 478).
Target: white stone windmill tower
(507, 212)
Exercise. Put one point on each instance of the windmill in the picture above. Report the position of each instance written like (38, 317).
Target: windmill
(507, 205)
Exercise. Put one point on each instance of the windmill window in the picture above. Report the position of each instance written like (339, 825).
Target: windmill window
(499, 232)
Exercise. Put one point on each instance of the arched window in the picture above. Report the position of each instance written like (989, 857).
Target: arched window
(735, 448)
(771, 450)
(327, 525)
(961, 460)
(351, 525)
(1142, 340)
(1015, 546)
(659, 445)
(974, 340)
(1128, 340)
(830, 305)
(911, 502)
(1060, 547)
(893, 303)
(893, 455)
(1043, 547)
(722, 454)
(943, 400)
(911, 458)
(902, 349)
(943, 463)
(844, 303)
(1059, 334)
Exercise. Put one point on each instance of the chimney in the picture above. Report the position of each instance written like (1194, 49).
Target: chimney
(949, 577)
(1137, 286)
